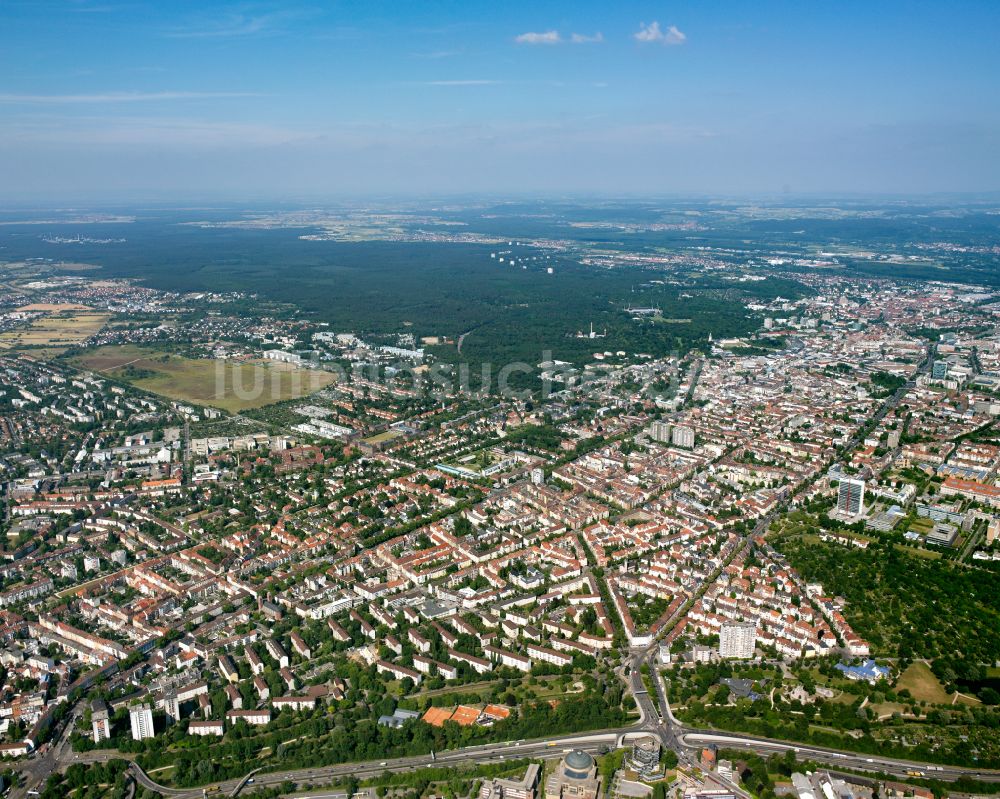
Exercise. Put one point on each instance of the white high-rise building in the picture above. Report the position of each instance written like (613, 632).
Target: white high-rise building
(660, 431)
(141, 717)
(683, 437)
(851, 497)
(737, 640)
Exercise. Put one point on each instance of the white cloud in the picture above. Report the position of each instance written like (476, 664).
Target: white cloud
(674, 36)
(547, 37)
(649, 33)
(114, 97)
(653, 33)
(582, 38)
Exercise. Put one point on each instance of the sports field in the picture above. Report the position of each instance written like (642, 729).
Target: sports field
(233, 387)
(381, 438)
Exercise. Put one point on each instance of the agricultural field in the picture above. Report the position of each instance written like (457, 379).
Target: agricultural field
(60, 326)
(233, 387)
(54, 307)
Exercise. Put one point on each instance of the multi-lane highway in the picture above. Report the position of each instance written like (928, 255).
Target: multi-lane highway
(688, 741)
(324, 775)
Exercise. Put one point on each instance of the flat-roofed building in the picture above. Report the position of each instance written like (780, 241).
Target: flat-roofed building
(141, 719)
(737, 640)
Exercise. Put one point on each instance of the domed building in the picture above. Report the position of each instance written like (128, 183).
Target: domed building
(576, 778)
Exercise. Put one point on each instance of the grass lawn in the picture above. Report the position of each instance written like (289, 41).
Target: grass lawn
(543, 687)
(922, 525)
(922, 684)
(388, 435)
(966, 699)
(233, 387)
(842, 698)
(928, 554)
(470, 688)
(885, 710)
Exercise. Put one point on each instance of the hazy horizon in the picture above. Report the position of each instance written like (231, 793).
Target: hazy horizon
(249, 202)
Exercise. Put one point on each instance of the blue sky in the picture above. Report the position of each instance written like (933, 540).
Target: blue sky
(111, 99)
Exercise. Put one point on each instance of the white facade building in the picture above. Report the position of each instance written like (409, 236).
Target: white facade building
(682, 437)
(737, 640)
(141, 718)
(851, 497)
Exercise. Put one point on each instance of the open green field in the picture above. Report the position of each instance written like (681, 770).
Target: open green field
(61, 326)
(923, 686)
(233, 387)
(927, 554)
(381, 438)
(922, 525)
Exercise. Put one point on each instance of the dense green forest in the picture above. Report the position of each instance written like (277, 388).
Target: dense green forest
(374, 288)
(512, 315)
